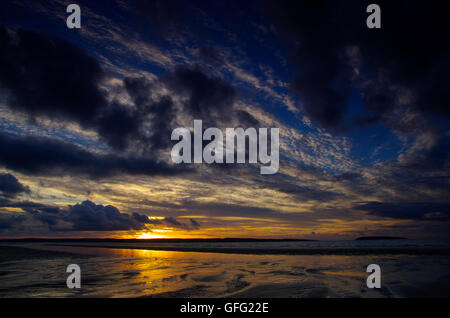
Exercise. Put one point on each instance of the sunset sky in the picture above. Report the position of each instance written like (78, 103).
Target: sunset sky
(86, 117)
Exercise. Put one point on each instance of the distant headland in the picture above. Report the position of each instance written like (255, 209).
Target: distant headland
(375, 238)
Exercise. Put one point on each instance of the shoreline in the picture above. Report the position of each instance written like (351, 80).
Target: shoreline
(15, 253)
(260, 251)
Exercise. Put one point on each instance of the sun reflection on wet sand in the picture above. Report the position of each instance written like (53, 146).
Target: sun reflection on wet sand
(111, 272)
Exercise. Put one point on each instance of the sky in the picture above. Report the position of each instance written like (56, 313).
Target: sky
(86, 117)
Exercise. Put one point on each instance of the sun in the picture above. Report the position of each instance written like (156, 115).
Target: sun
(149, 236)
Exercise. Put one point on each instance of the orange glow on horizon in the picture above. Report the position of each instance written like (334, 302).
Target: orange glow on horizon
(150, 236)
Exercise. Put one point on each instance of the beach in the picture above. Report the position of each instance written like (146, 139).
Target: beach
(130, 270)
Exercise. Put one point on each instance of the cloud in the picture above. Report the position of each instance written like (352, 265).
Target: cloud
(348, 176)
(160, 15)
(194, 224)
(140, 131)
(173, 222)
(162, 111)
(210, 55)
(9, 221)
(49, 76)
(303, 193)
(61, 81)
(10, 186)
(432, 211)
(26, 205)
(216, 209)
(398, 76)
(334, 55)
(418, 174)
(433, 156)
(85, 216)
(46, 156)
(210, 98)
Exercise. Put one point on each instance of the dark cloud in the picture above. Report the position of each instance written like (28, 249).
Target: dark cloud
(27, 205)
(329, 41)
(161, 112)
(348, 176)
(216, 209)
(9, 221)
(194, 223)
(161, 15)
(210, 55)
(210, 98)
(302, 193)
(433, 211)
(44, 76)
(87, 216)
(421, 174)
(48, 218)
(45, 156)
(245, 120)
(141, 218)
(397, 71)
(142, 129)
(126, 128)
(51, 77)
(436, 157)
(10, 186)
(173, 222)
(119, 124)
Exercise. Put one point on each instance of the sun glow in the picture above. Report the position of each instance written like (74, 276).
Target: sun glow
(149, 236)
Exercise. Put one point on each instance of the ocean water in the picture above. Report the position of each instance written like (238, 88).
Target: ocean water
(290, 269)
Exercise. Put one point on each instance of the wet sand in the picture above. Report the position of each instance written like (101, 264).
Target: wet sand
(15, 253)
(108, 272)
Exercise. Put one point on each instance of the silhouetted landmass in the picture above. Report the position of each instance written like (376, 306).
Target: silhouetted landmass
(374, 238)
(175, 240)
